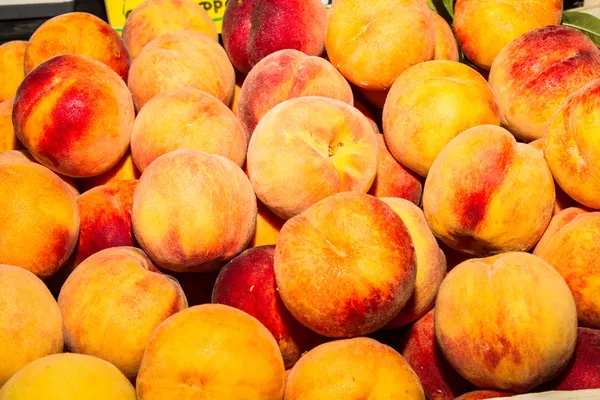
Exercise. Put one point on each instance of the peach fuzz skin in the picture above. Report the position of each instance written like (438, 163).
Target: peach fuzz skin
(81, 34)
(366, 275)
(501, 198)
(74, 115)
(12, 55)
(211, 351)
(268, 226)
(154, 18)
(446, 47)
(124, 170)
(8, 139)
(506, 322)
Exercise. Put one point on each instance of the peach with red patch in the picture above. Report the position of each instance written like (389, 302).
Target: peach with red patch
(375, 97)
(506, 322)
(284, 75)
(81, 34)
(74, 115)
(8, 139)
(254, 29)
(446, 47)
(124, 170)
(536, 72)
(484, 394)
(12, 55)
(501, 197)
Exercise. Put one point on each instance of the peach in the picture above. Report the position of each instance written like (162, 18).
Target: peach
(506, 322)
(375, 97)
(484, 27)
(534, 73)
(154, 18)
(248, 283)
(89, 378)
(181, 59)
(239, 81)
(116, 325)
(211, 351)
(30, 319)
(81, 34)
(124, 170)
(497, 199)
(431, 262)
(308, 148)
(570, 246)
(373, 43)
(81, 126)
(268, 226)
(429, 105)
(39, 220)
(193, 210)
(186, 118)
(254, 29)
(8, 139)
(367, 112)
(346, 266)
(445, 42)
(484, 394)
(12, 55)
(358, 368)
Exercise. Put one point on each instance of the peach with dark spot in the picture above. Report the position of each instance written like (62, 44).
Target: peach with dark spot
(446, 47)
(124, 170)
(12, 55)
(8, 139)
(506, 322)
(484, 394)
(500, 198)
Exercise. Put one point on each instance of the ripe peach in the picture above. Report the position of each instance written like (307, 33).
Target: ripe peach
(89, 378)
(248, 283)
(124, 170)
(429, 105)
(193, 210)
(268, 226)
(154, 18)
(186, 118)
(211, 351)
(484, 394)
(445, 42)
(81, 127)
(375, 97)
(284, 75)
(484, 27)
(500, 198)
(30, 319)
(8, 139)
(81, 34)
(11, 64)
(39, 220)
(181, 59)
(308, 148)
(506, 322)
(358, 368)
(534, 74)
(254, 29)
(363, 256)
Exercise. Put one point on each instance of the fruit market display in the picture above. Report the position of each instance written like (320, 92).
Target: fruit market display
(378, 200)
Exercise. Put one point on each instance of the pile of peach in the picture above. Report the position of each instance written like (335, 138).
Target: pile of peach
(185, 220)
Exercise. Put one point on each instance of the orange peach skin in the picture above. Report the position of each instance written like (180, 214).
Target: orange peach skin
(82, 126)
(570, 246)
(284, 75)
(39, 220)
(193, 210)
(500, 198)
(30, 319)
(429, 105)
(357, 368)
(12, 55)
(124, 170)
(154, 18)
(484, 394)
(211, 351)
(363, 256)
(506, 322)
(81, 34)
(526, 74)
(268, 226)
(186, 118)
(8, 139)
(484, 27)
(445, 42)
(181, 59)
(309, 148)
(116, 325)
(373, 43)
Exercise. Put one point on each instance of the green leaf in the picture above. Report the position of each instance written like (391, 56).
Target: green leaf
(431, 6)
(588, 24)
(449, 4)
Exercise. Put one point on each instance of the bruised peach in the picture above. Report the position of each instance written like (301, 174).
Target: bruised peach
(8, 139)
(12, 55)
(445, 42)
(268, 226)
(81, 34)
(248, 283)
(484, 394)
(506, 322)
(74, 115)
(253, 29)
(211, 351)
(186, 118)
(284, 75)
(534, 74)
(154, 18)
(500, 198)
(124, 170)
(181, 59)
